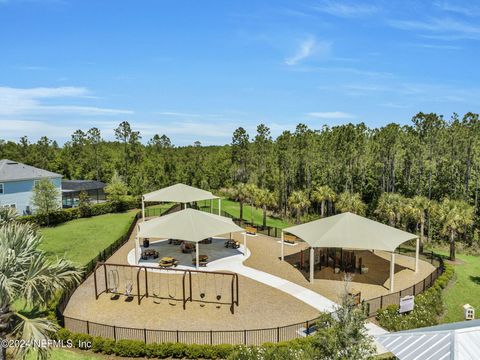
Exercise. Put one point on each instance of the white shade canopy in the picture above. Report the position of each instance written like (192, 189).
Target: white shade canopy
(188, 224)
(350, 231)
(179, 193)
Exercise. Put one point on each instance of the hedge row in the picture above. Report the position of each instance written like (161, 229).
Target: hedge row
(64, 215)
(428, 307)
(135, 348)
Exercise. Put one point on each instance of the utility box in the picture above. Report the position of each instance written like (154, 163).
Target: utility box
(469, 312)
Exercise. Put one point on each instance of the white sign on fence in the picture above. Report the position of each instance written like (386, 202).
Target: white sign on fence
(407, 303)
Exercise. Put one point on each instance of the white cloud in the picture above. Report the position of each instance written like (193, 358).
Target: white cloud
(306, 48)
(13, 129)
(471, 11)
(340, 9)
(441, 28)
(331, 115)
(30, 101)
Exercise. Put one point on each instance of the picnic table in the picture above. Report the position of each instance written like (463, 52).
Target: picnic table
(168, 261)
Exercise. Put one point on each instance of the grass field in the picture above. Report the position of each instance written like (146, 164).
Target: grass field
(63, 354)
(464, 289)
(82, 239)
(233, 208)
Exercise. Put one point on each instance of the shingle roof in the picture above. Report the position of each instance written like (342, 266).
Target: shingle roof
(82, 185)
(12, 170)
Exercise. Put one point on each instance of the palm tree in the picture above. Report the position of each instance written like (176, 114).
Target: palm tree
(251, 192)
(322, 194)
(417, 210)
(240, 195)
(454, 216)
(27, 276)
(350, 202)
(298, 201)
(264, 199)
(390, 208)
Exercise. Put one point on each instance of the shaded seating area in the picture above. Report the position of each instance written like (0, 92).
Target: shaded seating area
(190, 228)
(179, 194)
(333, 242)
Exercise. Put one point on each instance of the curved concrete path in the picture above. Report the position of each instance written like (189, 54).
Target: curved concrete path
(235, 264)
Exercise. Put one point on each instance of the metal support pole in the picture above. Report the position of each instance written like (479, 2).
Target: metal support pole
(417, 254)
(245, 243)
(312, 260)
(137, 248)
(283, 250)
(219, 206)
(143, 209)
(392, 271)
(197, 256)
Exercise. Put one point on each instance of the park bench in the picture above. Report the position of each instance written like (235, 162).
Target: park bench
(291, 239)
(251, 230)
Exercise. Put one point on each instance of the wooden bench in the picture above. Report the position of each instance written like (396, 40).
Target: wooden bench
(251, 230)
(291, 239)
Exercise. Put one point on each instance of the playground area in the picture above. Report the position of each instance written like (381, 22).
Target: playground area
(196, 277)
(259, 305)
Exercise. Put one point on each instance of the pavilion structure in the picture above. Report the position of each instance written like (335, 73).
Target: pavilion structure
(188, 225)
(180, 194)
(352, 232)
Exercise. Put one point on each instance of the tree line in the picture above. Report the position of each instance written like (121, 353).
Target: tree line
(432, 157)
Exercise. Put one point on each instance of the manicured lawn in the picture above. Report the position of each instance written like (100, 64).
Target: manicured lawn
(63, 354)
(233, 208)
(464, 289)
(82, 239)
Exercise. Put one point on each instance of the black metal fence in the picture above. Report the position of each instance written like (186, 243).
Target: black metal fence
(246, 337)
(212, 337)
(380, 302)
(89, 268)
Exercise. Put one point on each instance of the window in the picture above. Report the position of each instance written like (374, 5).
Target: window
(1, 189)
(35, 182)
(13, 206)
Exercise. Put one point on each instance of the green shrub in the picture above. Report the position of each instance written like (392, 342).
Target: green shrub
(61, 216)
(428, 307)
(130, 348)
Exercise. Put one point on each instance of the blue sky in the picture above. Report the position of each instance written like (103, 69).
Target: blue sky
(196, 70)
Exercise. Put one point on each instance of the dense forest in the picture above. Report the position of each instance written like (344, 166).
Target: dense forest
(432, 157)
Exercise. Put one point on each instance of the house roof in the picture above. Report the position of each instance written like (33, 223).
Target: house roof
(82, 185)
(350, 231)
(459, 340)
(179, 193)
(188, 224)
(12, 170)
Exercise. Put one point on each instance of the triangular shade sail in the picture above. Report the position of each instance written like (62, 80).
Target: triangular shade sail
(188, 224)
(350, 231)
(179, 193)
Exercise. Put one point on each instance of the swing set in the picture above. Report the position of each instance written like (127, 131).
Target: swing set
(166, 285)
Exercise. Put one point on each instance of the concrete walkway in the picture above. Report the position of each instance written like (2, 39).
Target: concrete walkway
(235, 264)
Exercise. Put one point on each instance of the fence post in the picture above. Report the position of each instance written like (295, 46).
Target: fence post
(145, 335)
(88, 327)
(381, 300)
(211, 337)
(278, 334)
(177, 337)
(114, 333)
(308, 328)
(245, 337)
